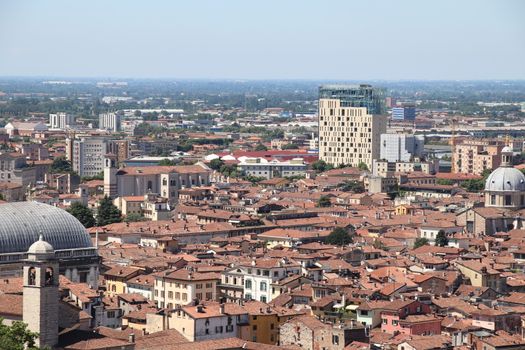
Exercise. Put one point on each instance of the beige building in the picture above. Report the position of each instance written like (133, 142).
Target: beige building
(476, 156)
(348, 135)
(480, 275)
(164, 180)
(129, 205)
(14, 169)
(350, 126)
(181, 287)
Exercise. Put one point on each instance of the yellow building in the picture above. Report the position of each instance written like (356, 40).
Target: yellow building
(116, 278)
(181, 287)
(129, 204)
(264, 321)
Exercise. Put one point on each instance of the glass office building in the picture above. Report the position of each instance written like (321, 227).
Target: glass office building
(361, 95)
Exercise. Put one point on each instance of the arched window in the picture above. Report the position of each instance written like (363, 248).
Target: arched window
(263, 286)
(164, 182)
(248, 284)
(50, 276)
(31, 276)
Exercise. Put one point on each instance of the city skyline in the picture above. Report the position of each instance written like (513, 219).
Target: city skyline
(402, 40)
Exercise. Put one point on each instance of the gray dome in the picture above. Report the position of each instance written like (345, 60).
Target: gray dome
(505, 179)
(22, 222)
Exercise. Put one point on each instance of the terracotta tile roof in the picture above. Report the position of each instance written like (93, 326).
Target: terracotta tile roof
(122, 272)
(213, 309)
(186, 275)
(11, 305)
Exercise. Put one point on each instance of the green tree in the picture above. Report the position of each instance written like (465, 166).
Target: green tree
(16, 336)
(290, 146)
(99, 176)
(228, 170)
(420, 242)
(107, 212)
(339, 236)
(61, 165)
(324, 201)
(83, 214)
(167, 162)
(321, 166)
(353, 186)
(473, 185)
(216, 164)
(254, 179)
(363, 166)
(134, 217)
(441, 239)
(261, 147)
(445, 182)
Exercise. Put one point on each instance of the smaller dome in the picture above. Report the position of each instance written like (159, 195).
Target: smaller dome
(41, 247)
(507, 149)
(505, 179)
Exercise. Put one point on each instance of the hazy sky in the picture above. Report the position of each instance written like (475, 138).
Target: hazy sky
(264, 39)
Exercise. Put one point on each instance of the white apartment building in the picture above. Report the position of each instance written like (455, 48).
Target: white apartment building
(60, 120)
(260, 274)
(109, 121)
(401, 147)
(87, 155)
(261, 167)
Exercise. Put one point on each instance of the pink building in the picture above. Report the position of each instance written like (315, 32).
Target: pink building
(409, 317)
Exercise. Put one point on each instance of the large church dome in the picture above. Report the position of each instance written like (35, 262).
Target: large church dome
(21, 224)
(505, 179)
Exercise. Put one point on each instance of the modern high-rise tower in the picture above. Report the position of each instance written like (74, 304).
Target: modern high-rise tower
(351, 121)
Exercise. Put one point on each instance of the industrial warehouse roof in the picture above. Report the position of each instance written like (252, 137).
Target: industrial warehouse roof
(21, 223)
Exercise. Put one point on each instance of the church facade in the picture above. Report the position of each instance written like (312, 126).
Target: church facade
(504, 207)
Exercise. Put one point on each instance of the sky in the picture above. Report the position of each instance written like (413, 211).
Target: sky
(264, 39)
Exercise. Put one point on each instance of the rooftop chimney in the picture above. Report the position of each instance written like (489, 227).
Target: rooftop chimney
(221, 308)
(131, 337)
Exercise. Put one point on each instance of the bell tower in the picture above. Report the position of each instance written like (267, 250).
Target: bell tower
(40, 301)
(110, 176)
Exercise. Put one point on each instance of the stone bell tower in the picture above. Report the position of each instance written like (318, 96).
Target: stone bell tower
(40, 302)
